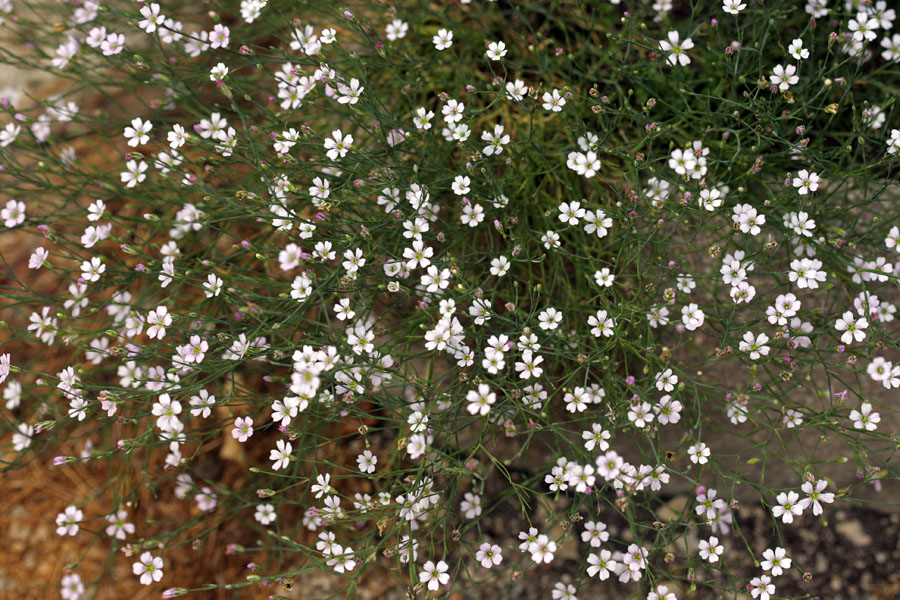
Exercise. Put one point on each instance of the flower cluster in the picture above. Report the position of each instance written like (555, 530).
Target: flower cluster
(354, 286)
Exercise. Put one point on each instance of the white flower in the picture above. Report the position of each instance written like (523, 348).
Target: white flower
(134, 174)
(584, 163)
(219, 37)
(658, 316)
(602, 325)
(67, 521)
(799, 222)
(367, 461)
(692, 317)
(322, 486)
(604, 277)
(213, 285)
(158, 319)
(338, 144)
(167, 410)
(516, 90)
(281, 455)
(442, 41)
(874, 117)
(787, 506)
(733, 7)
(38, 258)
(22, 438)
(676, 49)
(113, 44)
(480, 401)
(784, 77)
(495, 140)
(662, 593)
(550, 240)
(891, 47)
(396, 30)
(641, 414)
(563, 591)
(343, 310)
(775, 560)
(761, 587)
(9, 134)
(177, 137)
(864, 418)
(635, 560)
(435, 575)
(328, 36)
(711, 550)
(418, 255)
(816, 496)
(806, 273)
(202, 403)
(118, 526)
(710, 199)
(471, 505)
(422, 120)
(496, 50)
(699, 454)
(806, 182)
(853, 328)
(748, 219)
(72, 587)
(149, 568)
(601, 565)
(553, 101)
(461, 185)
(243, 429)
(350, 94)
(797, 50)
(218, 72)
(13, 214)
(500, 266)
(786, 306)
(742, 292)
(571, 212)
(597, 222)
(152, 19)
(756, 346)
(265, 514)
(666, 381)
(682, 161)
(863, 27)
(460, 132)
(894, 142)
(596, 437)
(139, 132)
(668, 410)
(542, 550)
(549, 319)
(489, 555)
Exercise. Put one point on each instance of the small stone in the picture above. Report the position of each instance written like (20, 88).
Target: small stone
(854, 532)
(821, 563)
(836, 582)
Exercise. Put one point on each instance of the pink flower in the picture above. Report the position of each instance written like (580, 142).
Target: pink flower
(243, 429)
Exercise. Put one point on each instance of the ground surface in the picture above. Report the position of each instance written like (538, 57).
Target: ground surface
(855, 557)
